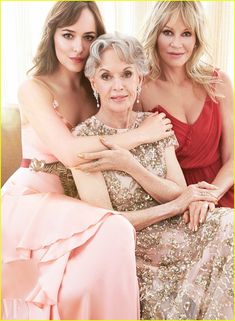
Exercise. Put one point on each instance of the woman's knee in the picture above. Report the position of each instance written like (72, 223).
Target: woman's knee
(120, 230)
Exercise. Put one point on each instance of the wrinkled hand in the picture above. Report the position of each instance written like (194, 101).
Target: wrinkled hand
(115, 158)
(201, 191)
(155, 127)
(197, 213)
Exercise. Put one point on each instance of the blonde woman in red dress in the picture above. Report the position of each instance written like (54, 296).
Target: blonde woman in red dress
(196, 97)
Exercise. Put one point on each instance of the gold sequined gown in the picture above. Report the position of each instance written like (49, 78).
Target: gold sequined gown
(182, 274)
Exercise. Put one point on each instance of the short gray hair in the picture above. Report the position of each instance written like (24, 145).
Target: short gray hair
(128, 49)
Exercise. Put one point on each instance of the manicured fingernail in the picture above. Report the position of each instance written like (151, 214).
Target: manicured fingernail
(196, 228)
(201, 220)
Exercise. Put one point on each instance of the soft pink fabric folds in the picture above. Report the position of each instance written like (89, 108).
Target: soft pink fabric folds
(70, 252)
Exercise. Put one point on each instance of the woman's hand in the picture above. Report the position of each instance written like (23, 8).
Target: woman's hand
(155, 127)
(115, 158)
(197, 213)
(201, 191)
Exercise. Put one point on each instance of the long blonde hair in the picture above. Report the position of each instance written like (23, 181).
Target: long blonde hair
(63, 13)
(193, 16)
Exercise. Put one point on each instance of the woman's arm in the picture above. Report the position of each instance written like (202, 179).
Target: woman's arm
(225, 179)
(161, 189)
(143, 218)
(92, 188)
(36, 108)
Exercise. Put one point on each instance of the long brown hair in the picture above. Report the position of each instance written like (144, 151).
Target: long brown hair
(63, 13)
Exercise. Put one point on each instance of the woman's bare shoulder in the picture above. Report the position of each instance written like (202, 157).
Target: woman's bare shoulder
(224, 79)
(148, 81)
(32, 89)
(224, 87)
(149, 94)
(223, 75)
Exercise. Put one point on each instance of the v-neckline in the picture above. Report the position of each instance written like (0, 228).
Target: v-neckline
(183, 122)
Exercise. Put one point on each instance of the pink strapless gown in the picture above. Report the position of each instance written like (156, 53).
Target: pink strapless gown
(62, 258)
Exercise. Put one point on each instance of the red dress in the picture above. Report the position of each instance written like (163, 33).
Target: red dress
(199, 146)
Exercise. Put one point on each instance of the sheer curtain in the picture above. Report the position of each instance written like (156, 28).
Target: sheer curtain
(22, 24)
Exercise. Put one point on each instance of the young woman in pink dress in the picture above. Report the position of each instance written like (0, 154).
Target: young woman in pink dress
(62, 258)
(196, 97)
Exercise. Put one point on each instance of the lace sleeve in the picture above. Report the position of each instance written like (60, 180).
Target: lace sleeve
(169, 141)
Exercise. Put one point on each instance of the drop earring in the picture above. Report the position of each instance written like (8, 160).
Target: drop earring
(138, 90)
(97, 98)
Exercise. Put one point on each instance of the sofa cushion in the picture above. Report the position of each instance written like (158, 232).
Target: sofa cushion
(11, 142)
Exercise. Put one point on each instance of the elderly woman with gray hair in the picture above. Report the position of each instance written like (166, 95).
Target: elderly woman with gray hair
(183, 274)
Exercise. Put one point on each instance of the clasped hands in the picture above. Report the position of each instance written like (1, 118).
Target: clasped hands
(154, 127)
(114, 158)
(196, 213)
(196, 198)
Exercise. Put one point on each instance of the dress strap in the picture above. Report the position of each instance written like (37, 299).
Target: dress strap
(55, 103)
(216, 72)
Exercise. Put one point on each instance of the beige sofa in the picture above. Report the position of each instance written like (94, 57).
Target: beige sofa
(11, 142)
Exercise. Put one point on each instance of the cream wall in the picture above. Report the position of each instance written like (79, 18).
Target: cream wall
(22, 23)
